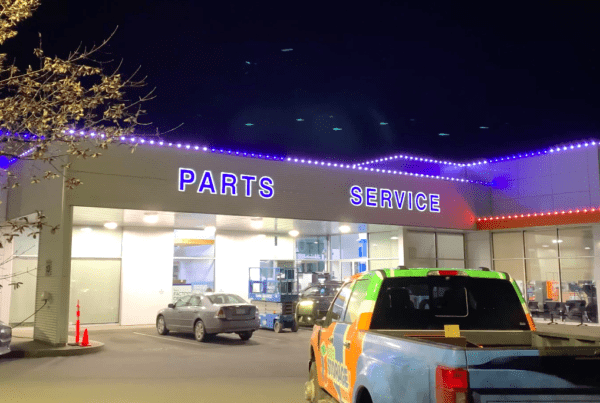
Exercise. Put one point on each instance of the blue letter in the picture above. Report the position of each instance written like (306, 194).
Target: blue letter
(266, 185)
(207, 183)
(356, 195)
(386, 196)
(249, 179)
(399, 200)
(434, 203)
(370, 196)
(187, 176)
(410, 201)
(421, 195)
(228, 184)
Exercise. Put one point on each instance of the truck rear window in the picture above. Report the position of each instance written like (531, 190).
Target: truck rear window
(432, 302)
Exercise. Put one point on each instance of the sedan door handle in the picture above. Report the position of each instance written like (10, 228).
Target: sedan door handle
(347, 344)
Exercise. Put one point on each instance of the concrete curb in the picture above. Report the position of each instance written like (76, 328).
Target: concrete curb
(35, 349)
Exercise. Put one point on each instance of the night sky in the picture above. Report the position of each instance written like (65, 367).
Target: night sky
(525, 72)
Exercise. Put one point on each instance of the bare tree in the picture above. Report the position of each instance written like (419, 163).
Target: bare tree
(72, 106)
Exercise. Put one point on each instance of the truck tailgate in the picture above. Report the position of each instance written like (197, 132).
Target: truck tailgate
(524, 375)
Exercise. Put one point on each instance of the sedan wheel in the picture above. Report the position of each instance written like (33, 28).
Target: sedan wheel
(245, 335)
(200, 331)
(161, 328)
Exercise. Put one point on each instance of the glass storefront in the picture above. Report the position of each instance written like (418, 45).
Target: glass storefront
(553, 268)
(193, 262)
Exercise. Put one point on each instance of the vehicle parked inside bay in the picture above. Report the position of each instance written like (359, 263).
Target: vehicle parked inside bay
(5, 338)
(207, 314)
(314, 301)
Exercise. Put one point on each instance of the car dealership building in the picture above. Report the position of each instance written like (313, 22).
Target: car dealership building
(171, 219)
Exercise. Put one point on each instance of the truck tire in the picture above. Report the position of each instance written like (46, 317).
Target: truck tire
(312, 390)
(295, 327)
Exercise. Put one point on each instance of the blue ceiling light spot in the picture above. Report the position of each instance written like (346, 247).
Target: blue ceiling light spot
(287, 50)
(444, 134)
(336, 128)
(383, 123)
(249, 124)
(300, 120)
(483, 127)
(248, 62)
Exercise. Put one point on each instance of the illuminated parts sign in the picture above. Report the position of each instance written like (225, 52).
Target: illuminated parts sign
(226, 183)
(394, 199)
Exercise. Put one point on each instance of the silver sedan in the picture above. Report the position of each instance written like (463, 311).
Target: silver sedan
(207, 314)
(5, 338)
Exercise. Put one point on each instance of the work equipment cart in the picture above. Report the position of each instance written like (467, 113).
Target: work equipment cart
(274, 291)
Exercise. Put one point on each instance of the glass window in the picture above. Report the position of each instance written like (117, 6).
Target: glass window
(195, 301)
(353, 246)
(576, 242)
(359, 292)
(420, 245)
(381, 245)
(515, 268)
(182, 302)
(226, 299)
(339, 303)
(194, 243)
(541, 244)
(508, 245)
(450, 246)
(336, 248)
(312, 291)
(311, 248)
(575, 274)
(432, 302)
(449, 263)
(383, 264)
(310, 267)
(542, 280)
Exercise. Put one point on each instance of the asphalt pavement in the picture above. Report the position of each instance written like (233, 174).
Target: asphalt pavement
(138, 365)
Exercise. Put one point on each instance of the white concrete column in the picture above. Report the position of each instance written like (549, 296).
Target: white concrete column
(401, 246)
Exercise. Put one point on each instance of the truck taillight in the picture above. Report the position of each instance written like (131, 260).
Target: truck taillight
(451, 385)
(220, 314)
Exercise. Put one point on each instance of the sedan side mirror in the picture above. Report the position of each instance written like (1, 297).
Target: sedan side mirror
(171, 305)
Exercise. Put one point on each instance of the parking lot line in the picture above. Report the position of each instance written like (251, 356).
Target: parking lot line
(167, 338)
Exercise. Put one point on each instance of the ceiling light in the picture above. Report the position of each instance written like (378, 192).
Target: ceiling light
(256, 222)
(294, 233)
(88, 229)
(545, 246)
(211, 229)
(394, 237)
(557, 241)
(150, 218)
(587, 248)
(344, 228)
(111, 225)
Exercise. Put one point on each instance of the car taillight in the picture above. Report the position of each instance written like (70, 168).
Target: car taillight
(451, 385)
(220, 314)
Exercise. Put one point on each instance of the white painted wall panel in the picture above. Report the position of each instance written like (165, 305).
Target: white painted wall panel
(237, 252)
(99, 242)
(478, 249)
(147, 274)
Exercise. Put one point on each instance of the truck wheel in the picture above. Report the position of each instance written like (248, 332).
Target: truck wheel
(312, 390)
(295, 327)
(278, 327)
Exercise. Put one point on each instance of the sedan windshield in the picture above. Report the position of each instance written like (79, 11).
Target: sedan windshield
(226, 299)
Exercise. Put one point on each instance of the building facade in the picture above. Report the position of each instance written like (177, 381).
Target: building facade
(170, 219)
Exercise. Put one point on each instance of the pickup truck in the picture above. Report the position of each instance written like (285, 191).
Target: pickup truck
(443, 335)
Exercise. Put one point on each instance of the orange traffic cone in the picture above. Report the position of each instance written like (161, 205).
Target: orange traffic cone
(85, 342)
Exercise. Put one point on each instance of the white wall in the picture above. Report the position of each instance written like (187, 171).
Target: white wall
(97, 243)
(147, 274)
(5, 291)
(237, 252)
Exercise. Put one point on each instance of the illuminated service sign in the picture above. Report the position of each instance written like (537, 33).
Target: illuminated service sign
(386, 198)
(226, 183)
